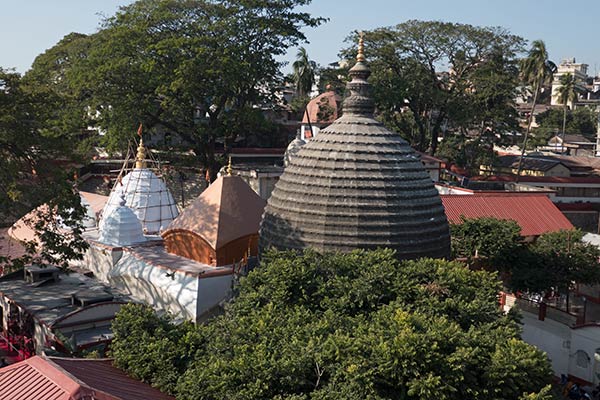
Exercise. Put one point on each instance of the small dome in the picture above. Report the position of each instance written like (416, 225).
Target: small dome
(356, 185)
(121, 227)
(323, 109)
(149, 198)
(292, 149)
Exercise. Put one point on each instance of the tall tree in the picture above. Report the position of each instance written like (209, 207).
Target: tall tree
(537, 71)
(194, 68)
(304, 72)
(34, 170)
(449, 75)
(566, 94)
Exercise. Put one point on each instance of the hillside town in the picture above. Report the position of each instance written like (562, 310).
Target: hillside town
(180, 219)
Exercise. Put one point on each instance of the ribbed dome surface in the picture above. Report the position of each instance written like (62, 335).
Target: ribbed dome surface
(356, 185)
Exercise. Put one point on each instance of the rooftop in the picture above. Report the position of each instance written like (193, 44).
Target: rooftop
(534, 213)
(49, 301)
(56, 378)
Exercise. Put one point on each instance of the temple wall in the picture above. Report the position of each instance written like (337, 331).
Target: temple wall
(189, 245)
(150, 284)
(100, 260)
(211, 292)
(233, 252)
(574, 351)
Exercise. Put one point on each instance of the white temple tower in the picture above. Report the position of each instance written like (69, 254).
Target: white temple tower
(146, 194)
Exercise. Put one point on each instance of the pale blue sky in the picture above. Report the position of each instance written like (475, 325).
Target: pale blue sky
(570, 29)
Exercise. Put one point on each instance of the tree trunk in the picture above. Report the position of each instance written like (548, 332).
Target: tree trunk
(535, 96)
(562, 143)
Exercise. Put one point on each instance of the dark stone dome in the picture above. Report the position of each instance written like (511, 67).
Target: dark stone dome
(356, 185)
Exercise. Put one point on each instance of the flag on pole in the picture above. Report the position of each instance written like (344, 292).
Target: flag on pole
(139, 131)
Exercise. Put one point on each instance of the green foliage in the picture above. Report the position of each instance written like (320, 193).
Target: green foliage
(304, 72)
(554, 260)
(496, 241)
(332, 78)
(34, 169)
(468, 153)
(582, 121)
(192, 68)
(343, 326)
(150, 347)
(410, 64)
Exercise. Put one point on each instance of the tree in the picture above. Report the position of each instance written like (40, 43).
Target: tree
(34, 170)
(495, 241)
(537, 71)
(581, 121)
(567, 259)
(449, 75)
(304, 72)
(193, 68)
(566, 94)
(358, 325)
(333, 78)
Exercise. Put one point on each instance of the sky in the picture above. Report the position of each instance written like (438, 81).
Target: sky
(29, 27)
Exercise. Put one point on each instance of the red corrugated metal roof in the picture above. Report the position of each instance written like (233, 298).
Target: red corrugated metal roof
(53, 378)
(101, 376)
(34, 379)
(536, 214)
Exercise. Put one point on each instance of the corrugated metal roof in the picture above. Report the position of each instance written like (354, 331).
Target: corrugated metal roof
(55, 378)
(536, 214)
(101, 376)
(28, 380)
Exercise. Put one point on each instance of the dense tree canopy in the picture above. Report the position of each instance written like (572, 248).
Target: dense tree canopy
(342, 326)
(450, 76)
(554, 261)
(193, 68)
(34, 170)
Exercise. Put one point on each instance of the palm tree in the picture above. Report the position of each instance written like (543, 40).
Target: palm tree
(537, 71)
(304, 72)
(566, 93)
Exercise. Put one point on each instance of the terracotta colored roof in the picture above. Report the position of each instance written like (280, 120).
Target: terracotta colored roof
(535, 213)
(227, 210)
(97, 201)
(100, 375)
(330, 98)
(10, 247)
(71, 379)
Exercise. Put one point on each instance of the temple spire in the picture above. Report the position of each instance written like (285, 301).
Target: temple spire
(359, 101)
(360, 56)
(229, 169)
(140, 158)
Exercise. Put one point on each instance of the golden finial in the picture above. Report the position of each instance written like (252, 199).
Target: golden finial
(229, 168)
(140, 158)
(360, 57)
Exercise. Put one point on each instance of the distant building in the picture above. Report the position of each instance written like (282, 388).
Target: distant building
(579, 73)
(531, 166)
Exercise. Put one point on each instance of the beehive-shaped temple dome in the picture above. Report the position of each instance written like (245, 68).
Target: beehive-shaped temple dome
(356, 185)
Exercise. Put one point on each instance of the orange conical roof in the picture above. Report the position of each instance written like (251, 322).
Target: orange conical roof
(227, 210)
